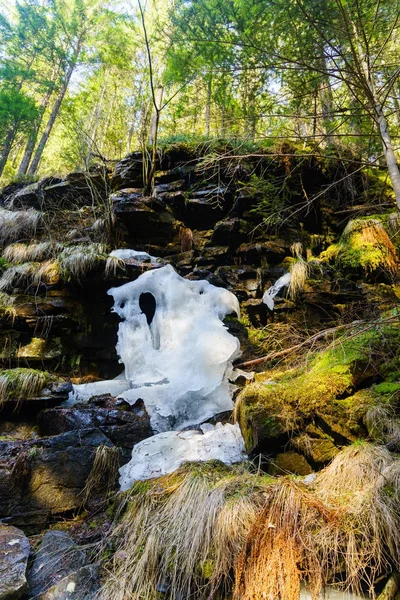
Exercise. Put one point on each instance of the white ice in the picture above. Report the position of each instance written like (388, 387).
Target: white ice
(176, 363)
(127, 253)
(274, 290)
(166, 452)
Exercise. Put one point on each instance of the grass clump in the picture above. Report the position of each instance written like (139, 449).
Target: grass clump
(104, 472)
(185, 529)
(29, 274)
(299, 271)
(343, 530)
(365, 246)
(21, 384)
(15, 225)
(76, 262)
(34, 252)
(207, 530)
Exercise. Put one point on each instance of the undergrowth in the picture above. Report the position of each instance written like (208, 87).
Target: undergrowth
(208, 529)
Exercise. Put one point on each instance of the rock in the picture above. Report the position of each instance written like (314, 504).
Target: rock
(271, 252)
(46, 476)
(57, 556)
(216, 255)
(232, 231)
(143, 218)
(128, 171)
(203, 212)
(52, 395)
(83, 584)
(290, 462)
(14, 553)
(123, 428)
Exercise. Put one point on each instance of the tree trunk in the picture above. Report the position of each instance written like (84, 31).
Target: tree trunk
(6, 148)
(156, 116)
(208, 106)
(388, 151)
(54, 113)
(30, 146)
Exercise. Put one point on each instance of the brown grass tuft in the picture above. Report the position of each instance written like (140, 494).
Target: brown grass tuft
(299, 271)
(184, 531)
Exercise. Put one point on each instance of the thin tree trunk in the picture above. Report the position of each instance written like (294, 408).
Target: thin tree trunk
(7, 148)
(156, 116)
(208, 106)
(30, 146)
(54, 113)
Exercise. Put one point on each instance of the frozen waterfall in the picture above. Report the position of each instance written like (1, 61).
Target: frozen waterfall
(178, 356)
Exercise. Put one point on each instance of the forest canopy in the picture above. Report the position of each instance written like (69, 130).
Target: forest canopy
(82, 80)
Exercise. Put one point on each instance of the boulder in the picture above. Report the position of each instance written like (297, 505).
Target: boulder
(14, 553)
(128, 171)
(42, 477)
(144, 218)
(57, 557)
(83, 584)
(123, 427)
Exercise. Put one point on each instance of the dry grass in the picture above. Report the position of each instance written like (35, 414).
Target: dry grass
(299, 271)
(36, 252)
(21, 384)
(20, 276)
(30, 274)
(104, 472)
(206, 528)
(185, 531)
(344, 530)
(113, 265)
(78, 261)
(15, 225)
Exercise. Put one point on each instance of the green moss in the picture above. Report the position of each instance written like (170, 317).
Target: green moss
(364, 246)
(324, 388)
(22, 384)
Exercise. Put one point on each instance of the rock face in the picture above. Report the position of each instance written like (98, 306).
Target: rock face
(14, 553)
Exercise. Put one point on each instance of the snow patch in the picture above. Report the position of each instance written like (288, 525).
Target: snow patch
(274, 290)
(166, 452)
(127, 254)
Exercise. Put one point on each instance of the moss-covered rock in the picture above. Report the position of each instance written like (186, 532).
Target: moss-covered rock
(285, 400)
(365, 249)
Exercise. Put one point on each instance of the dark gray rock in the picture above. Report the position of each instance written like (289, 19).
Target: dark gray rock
(57, 557)
(46, 476)
(123, 428)
(231, 231)
(14, 553)
(128, 171)
(83, 584)
(143, 218)
(52, 395)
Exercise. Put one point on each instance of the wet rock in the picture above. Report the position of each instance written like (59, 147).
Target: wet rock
(144, 218)
(123, 428)
(83, 584)
(46, 476)
(57, 557)
(14, 553)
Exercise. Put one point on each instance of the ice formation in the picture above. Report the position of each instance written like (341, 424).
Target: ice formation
(166, 452)
(178, 357)
(175, 348)
(140, 255)
(274, 290)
